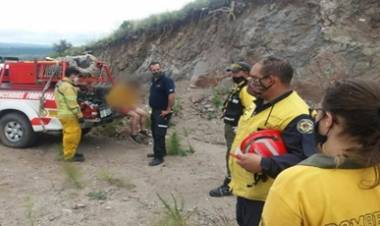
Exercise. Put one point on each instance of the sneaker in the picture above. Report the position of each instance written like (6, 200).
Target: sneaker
(144, 132)
(156, 162)
(135, 138)
(221, 191)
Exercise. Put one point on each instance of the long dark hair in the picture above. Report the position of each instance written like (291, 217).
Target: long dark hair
(357, 104)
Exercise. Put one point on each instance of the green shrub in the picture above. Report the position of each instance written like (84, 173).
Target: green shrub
(97, 195)
(174, 213)
(177, 108)
(174, 146)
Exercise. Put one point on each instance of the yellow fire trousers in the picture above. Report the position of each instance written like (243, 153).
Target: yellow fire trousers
(71, 136)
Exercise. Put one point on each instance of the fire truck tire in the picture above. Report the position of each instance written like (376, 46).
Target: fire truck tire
(16, 131)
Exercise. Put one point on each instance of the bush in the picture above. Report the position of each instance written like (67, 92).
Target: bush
(177, 108)
(174, 146)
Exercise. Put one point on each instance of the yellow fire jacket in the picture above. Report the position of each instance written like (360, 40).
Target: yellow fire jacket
(66, 99)
(247, 101)
(277, 116)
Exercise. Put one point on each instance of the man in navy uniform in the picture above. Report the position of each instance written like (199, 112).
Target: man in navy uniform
(161, 100)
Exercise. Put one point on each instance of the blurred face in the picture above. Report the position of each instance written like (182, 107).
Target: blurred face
(75, 79)
(259, 84)
(155, 69)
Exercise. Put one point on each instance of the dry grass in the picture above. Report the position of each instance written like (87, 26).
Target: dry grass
(174, 213)
(29, 212)
(73, 175)
(111, 179)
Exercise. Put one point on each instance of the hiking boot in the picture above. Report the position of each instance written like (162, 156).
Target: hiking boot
(221, 191)
(156, 162)
(151, 155)
(77, 158)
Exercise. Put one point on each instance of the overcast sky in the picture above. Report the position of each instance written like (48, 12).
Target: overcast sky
(78, 21)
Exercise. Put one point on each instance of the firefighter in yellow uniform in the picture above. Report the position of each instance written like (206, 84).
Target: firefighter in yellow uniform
(279, 108)
(341, 185)
(69, 114)
(238, 106)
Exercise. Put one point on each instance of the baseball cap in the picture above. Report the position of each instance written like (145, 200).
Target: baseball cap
(240, 66)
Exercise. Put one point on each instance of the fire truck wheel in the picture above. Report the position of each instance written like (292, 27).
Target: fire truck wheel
(16, 131)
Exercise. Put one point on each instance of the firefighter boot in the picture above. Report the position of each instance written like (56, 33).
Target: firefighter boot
(223, 190)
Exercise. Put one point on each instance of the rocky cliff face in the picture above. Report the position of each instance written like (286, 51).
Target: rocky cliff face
(323, 39)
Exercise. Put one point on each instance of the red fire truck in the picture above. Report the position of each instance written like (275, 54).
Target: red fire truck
(27, 105)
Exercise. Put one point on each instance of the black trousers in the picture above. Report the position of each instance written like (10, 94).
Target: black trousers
(248, 212)
(159, 126)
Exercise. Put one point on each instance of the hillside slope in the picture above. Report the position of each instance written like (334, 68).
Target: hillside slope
(323, 39)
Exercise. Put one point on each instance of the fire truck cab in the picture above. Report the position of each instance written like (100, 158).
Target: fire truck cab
(27, 105)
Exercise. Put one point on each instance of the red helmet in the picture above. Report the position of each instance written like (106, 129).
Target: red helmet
(266, 143)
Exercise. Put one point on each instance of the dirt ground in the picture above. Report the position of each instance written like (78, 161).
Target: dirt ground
(34, 189)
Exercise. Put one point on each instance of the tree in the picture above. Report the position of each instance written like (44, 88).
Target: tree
(61, 47)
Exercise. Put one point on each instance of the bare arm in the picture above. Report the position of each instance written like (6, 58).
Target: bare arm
(171, 100)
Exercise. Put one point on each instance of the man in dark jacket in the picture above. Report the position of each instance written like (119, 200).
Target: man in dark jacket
(161, 100)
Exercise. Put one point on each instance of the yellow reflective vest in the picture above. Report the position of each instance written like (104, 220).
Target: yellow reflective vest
(278, 116)
(66, 96)
(247, 101)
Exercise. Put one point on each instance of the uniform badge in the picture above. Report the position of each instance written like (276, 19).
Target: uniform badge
(305, 126)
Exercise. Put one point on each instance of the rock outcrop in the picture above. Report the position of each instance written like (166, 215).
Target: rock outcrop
(323, 39)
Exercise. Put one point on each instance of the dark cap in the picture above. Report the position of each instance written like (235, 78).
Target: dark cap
(240, 66)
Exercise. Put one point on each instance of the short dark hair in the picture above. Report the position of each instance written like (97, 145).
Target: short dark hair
(70, 71)
(277, 67)
(154, 63)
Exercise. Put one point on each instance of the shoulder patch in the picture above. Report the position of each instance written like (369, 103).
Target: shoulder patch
(305, 126)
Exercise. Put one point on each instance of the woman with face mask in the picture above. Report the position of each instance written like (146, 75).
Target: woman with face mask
(341, 184)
